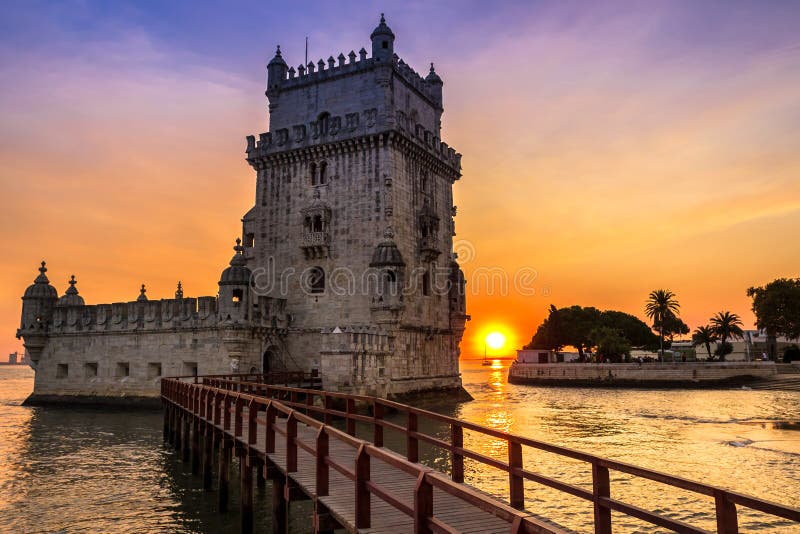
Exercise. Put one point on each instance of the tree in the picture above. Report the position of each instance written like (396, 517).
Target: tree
(726, 325)
(610, 343)
(671, 325)
(660, 303)
(704, 335)
(633, 329)
(777, 309)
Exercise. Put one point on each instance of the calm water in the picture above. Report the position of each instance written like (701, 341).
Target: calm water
(75, 470)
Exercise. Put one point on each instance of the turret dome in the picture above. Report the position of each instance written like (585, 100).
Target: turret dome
(278, 59)
(432, 77)
(386, 254)
(41, 288)
(237, 273)
(382, 29)
(71, 297)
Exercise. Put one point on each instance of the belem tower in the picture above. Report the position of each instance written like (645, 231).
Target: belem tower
(344, 266)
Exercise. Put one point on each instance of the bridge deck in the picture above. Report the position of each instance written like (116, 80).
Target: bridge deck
(340, 502)
(361, 486)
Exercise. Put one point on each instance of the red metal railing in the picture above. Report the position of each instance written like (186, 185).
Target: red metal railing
(223, 400)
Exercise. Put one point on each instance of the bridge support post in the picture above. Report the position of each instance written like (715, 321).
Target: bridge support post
(280, 506)
(165, 434)
(246, 493)
(195, 424)
(224, 473)
(176, 431)
(186, 441)
(208, 454)
(171, 424)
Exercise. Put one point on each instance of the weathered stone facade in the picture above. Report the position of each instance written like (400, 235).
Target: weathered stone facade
(345, 265)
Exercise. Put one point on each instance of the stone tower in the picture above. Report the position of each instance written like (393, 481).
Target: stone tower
(353, 222)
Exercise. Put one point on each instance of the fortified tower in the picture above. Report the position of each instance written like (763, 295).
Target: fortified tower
(353, 221)
(344, 267)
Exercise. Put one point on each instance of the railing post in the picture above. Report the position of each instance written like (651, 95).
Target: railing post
(727, 522)
(323, 475)
(601, 489)
(217, 408)
(252, 422)
(423, 505)
(291, 443)
(377, 423)
(269, 446)
(327, 404)
(351, 423)
(456, 458)
(516, 483)
(412, 444)
(363, 512)
(226, 414)
(237, 417)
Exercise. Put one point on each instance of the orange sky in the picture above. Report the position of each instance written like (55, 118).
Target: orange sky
(606, 164)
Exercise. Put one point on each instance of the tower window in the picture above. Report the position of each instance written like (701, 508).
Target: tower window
(123, 369)
(385, 44)
(237, 296)
(323, 170)
(426, 283)
(313, 169)
(315, 281)
(62, 371)
(90, 369)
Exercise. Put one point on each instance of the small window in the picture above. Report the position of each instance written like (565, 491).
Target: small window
(318, 224)
(384, 44)
(426, 283)
(62, 370)
(315, 281)
(313, 171)
(90, 369)
(153, 370)
(249, 240)
(237, 296)
(123, 369)
(189, 368)
(323, 169)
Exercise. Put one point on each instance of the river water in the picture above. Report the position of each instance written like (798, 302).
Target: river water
(79, 469)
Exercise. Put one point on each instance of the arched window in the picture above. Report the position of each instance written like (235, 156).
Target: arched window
(390, 282)
(307, 224)
(317, 224)
(323, 170)
(313, 170)
(426, 283)
(315, 281)
(237, 295)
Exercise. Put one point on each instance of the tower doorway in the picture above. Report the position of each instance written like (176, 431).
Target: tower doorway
(268, 360)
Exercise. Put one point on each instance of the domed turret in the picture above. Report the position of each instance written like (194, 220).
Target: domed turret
(435, 84)
(276, 73)
(142, 295)
(71, 297)
(234, 288)
(37, 310)
(382, 42)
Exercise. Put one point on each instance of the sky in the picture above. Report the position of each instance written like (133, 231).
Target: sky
(609, 148)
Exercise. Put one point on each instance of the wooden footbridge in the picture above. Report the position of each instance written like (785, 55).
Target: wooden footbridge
(288, 434)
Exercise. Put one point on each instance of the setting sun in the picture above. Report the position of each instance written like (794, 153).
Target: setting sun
(495, 340)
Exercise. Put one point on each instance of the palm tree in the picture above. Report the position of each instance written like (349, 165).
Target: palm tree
(661, 303)
(726, 325)
(704, 335)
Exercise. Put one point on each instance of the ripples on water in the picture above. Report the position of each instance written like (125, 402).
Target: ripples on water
(67, 469)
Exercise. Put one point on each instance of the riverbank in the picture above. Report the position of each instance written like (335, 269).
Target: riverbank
(646, 375)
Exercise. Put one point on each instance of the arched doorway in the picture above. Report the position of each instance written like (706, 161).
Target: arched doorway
(268, 360)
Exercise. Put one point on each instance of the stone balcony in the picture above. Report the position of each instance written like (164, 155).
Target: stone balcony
(315, 244)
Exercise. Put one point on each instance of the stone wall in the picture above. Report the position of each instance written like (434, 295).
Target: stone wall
(588, 374)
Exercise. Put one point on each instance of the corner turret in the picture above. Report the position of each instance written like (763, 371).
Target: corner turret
(71, 297)
(234, 288)
(435, 85)
(382, 42)
(276, 74)
(38, 302)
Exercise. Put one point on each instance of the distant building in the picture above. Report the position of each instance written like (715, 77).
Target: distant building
(753, 346)
(12, 358)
